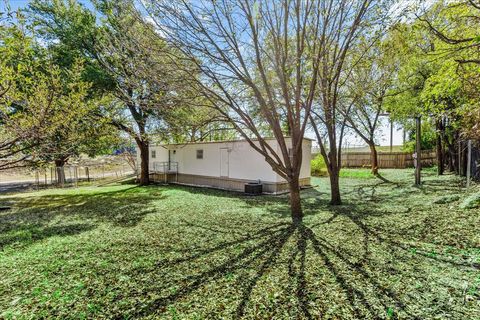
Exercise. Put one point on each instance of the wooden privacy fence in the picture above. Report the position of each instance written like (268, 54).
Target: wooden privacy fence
(394, 160)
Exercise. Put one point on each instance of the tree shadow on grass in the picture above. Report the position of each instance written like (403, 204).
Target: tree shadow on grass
(364, 275)
(270, 243)
(264, 255)
(36, 218)
(30, 233)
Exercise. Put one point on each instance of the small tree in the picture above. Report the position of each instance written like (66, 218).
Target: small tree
(372, 76)
(74, 128)
(342, 25)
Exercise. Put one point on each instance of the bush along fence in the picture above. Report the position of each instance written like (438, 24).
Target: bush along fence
(391, 160)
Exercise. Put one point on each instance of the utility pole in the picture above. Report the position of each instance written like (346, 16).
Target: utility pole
(418, 150)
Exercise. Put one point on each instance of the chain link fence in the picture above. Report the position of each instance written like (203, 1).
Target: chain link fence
(68, 175)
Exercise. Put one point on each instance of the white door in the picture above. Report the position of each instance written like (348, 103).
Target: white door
(172, 165)
(173, 155)
(223, 162)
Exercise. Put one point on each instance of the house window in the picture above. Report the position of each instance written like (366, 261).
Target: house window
(154, 154)
(199, 153)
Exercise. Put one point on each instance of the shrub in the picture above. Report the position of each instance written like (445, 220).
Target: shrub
(318, 166)
(446, 199)
(471, 202)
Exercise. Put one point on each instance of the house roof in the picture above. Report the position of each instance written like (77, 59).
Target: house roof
(211, 142)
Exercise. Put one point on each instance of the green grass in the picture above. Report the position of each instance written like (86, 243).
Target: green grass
(174, 252)
(356, 173)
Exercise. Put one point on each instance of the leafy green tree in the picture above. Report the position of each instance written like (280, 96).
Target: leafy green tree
(71, 33)
(16, 123)
(73, 127)
(455, 25)
(425, 87)
(145, 88)
(44, 108)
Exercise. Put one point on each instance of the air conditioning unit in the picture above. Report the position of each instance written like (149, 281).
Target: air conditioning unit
(253, 188)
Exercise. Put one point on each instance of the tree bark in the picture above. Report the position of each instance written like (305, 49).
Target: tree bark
(60, 169)
(144, 171)
(452, 157)
(295, 203)
(335, 197)
(374, 158)
(440, 162)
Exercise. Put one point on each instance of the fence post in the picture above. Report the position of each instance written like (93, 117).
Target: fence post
(88, 174)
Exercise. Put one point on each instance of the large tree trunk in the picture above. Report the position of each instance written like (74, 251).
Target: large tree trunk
(335, 198)
(144, 172)
(452, 164)
(464, 159)
(60, 171)
(440, 162)
(373, 158)
(295, 203)
(334, 175)
(333, 162)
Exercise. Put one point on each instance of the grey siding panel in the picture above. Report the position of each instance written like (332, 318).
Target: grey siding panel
(224, 183)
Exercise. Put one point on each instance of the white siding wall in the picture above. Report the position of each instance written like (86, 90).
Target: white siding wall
(160, 156)
(244, 161)
(305, 170)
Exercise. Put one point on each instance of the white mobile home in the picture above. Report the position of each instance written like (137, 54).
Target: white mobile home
(221, 164)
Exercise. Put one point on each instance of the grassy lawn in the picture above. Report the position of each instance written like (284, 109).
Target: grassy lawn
(392, 251)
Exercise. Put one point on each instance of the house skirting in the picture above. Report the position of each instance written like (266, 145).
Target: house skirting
(223, 183)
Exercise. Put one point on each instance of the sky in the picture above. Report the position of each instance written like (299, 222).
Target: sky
(15, 4)
(19, 4)
(383, 135)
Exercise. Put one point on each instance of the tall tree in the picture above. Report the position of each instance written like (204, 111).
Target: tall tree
(429, 87)
(125, 51)
(43, 107)
(455, 25)
(259, 64)
(342, 24)
(74, 128)
(20, 120)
